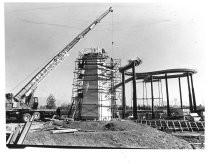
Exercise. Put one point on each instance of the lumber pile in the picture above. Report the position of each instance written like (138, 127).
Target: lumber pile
(56, 126)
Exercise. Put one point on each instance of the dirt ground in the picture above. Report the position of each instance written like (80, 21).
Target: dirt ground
(113, 134)
(196, 139)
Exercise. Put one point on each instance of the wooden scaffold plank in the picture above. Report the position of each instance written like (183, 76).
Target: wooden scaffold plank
(25, 130)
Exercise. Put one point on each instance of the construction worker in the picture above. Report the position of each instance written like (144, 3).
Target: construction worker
(58, 112)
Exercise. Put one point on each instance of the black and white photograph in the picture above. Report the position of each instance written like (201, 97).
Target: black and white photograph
(104, 76)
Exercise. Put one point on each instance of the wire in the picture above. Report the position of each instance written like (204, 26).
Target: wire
(65, 6)
(59, 25)
(51, 24)
(134, 26)
(47, 8)
(41, 8)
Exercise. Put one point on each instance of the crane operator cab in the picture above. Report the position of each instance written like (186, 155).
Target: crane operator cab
(28, 102)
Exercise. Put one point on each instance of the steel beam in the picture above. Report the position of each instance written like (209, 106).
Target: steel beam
(167, 97)
(193, 93)
(168, 71)
(134, 93)
(180, 92)
(153, 114)
(143, 93)
(130, 64)
(190, 96)
(139, 77)
(123, 94)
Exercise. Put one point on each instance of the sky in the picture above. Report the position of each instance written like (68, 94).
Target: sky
(164, 36)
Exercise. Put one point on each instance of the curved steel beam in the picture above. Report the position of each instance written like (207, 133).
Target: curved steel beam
(180, 72)
(136, 62)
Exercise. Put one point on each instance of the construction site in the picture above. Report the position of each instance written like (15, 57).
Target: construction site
(99, 115)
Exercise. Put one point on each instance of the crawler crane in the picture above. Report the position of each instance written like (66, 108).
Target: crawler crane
(22, 105)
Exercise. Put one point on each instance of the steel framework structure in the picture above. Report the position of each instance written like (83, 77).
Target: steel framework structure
(155, 76)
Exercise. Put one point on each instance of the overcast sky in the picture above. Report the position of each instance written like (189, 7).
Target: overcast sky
(165, 36)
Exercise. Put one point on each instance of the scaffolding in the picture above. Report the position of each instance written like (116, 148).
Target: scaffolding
(94, 76)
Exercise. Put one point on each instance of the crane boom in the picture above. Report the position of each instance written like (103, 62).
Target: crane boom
(56, 60)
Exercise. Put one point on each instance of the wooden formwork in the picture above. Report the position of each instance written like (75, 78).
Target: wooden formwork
(175, 125)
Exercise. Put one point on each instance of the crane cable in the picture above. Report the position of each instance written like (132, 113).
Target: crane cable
(112, 33)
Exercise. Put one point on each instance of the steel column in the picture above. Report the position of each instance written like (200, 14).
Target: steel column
(167, 97)
(190, 96)
(134, 92)
(193, 93)
(123, 95)
(153, 115)
(180, 92)
(146, 93)
(143, 93)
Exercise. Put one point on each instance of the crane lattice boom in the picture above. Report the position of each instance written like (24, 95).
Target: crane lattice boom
(55, 61)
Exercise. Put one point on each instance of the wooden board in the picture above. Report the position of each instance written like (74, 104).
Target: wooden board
(25, 130)
(64, 131)
(15, 135)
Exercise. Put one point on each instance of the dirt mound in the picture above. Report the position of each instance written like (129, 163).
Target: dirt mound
(86, 125)
(122, 134)
(110, 126)
(125, 125)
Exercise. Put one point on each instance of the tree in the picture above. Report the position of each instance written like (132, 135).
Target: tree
(51, 102)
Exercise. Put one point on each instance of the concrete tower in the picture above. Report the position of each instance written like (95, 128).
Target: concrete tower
(94, 78)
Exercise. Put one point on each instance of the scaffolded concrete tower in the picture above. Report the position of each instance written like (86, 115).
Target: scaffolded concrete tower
(95, 74)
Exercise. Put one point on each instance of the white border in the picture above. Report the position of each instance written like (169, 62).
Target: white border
(38, 155)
